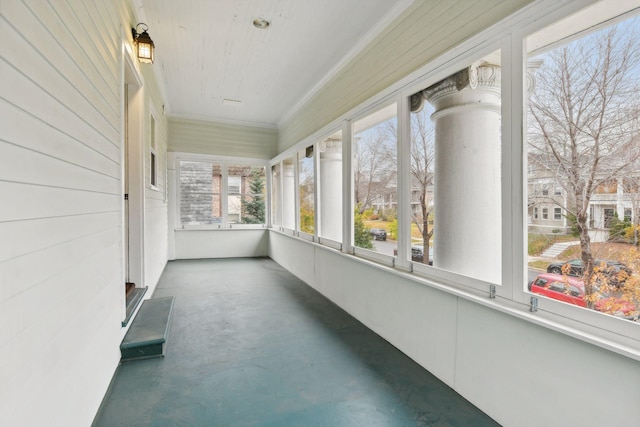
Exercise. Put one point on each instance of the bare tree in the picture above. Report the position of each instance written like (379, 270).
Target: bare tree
(422, 163)
(580, 117)
(374, 167)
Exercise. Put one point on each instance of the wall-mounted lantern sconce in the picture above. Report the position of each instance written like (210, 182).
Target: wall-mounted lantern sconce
(144, 44)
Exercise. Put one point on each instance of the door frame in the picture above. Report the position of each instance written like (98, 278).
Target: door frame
(133, 159)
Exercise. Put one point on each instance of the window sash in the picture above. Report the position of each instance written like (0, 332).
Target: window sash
(225, 218)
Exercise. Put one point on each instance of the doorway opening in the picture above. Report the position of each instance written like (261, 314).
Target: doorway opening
(133, 188)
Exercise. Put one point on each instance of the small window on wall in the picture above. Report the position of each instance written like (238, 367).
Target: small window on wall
(545, 213)
(375, 181)
(200, 193)
(583, 86)
(557, 214)
(246, 194)
(455, 155)
(153, 157)
(306, 189)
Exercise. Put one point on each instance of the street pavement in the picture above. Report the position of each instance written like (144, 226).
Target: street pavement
(387, 247)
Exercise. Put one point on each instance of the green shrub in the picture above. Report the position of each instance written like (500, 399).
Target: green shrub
(618, 228)
(393, 229)
(361, 235)
(574, 224)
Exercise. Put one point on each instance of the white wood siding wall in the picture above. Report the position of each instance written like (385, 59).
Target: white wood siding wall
(222, 139)
(156, 199)
(424, 31)
(61, 278)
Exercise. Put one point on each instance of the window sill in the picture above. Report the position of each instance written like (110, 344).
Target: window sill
(235, 227)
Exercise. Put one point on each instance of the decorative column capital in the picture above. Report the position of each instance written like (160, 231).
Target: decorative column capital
(479, 75)
(330, 144)
(532, 67)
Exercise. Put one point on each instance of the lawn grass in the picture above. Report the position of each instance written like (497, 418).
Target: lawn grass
(539, 264)
(537, 243)
(605, 250)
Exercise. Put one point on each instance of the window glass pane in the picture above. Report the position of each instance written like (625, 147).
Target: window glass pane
(153, 161)
(557, 214)
(153, 169)
(245, 194)
(236, 180)
(456, 172)
(422, 184)
(306, 189)
(330, 176)
(582, 139)
(200, 201)
(253, 198)
(375, 181)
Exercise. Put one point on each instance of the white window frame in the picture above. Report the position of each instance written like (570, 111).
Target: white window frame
(225, 162)
(153, 151)
(303, 234)
(510, 296)
(557, 214)
(371, 255)
(606, 331)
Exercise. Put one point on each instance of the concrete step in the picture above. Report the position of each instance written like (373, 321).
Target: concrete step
(556, 249)
(147, 335)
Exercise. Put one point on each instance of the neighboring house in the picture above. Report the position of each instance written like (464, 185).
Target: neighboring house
(547, 200)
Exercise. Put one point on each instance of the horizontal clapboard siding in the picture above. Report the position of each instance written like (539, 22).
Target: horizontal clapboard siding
(202, 137)
(61, 217)
(424, 31)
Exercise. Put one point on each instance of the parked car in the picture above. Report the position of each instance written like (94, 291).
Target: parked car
(378, 233)
(417, 254)
(571, 290)
(615, 270)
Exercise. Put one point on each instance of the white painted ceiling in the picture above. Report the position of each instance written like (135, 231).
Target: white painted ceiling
(208, 51)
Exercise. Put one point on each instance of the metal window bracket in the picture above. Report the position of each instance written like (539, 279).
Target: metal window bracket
(492, 291)
(534, 305)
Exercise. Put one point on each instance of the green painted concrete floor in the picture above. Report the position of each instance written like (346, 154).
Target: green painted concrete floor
(251, 345)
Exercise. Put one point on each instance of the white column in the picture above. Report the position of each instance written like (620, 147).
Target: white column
(620, 199)
(288, 195)
(276, 205)
(331, 189)
(467, 237)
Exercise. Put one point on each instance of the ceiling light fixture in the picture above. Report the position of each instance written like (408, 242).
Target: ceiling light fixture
(261, 24)
(144, 44)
